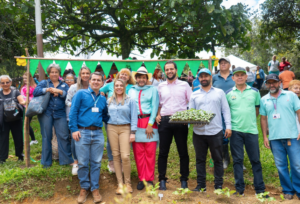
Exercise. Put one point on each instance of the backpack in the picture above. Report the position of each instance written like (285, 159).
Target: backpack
(12, 110)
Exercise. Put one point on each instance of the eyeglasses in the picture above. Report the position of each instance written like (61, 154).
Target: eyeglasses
(3, 83)
(272, 83)
(69, 80)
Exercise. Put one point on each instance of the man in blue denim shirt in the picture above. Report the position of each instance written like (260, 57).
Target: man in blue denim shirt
(88, 110)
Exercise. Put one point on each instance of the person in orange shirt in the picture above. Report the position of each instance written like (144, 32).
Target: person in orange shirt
(285, 77)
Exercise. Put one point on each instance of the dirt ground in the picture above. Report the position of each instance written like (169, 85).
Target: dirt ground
(108, 184)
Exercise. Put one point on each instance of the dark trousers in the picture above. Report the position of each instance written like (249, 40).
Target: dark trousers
(17, 133)
(31, 133)
(237, 142)
(259, 83)
(166, 133)
(215, 144)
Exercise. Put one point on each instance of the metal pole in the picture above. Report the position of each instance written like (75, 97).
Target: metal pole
(39, 37)
(26, 119)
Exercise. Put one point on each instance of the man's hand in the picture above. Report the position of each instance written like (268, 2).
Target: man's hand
(132, 138)
(149, 132)
(266, 142)
(102, 93)
(298, 137)
(158, 119)
(76, 135)
(228, 133)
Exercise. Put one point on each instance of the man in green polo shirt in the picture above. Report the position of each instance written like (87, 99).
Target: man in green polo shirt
(244, 103)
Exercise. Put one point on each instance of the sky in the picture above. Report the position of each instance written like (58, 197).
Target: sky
(253, 4)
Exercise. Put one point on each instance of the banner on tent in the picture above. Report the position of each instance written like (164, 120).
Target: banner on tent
(106, 65)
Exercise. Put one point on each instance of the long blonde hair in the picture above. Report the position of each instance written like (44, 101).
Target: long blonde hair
(130, 80)
(113, 98)
(79, 82)
(30, 81)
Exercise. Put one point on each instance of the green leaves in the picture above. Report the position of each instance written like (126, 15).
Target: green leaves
(192, 115)
(210, 8)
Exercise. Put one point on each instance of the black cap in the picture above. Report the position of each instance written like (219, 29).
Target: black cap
(239, 69)
(272, 77)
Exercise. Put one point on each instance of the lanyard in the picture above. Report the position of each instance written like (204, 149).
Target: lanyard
(275, 104)
(94, 98)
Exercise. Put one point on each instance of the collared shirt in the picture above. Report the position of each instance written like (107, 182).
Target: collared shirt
(173, 97)
(123, 114)
(81, 110)
(286, 105)
(274, 66)
(213, 101)
(283, 64)
(286, 77)
(56, 105)
(149, 100)
(221, 83)
(243, 109)
(250, 77)
(109, 89)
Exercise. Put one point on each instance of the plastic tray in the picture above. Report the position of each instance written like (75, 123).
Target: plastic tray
(192, 122)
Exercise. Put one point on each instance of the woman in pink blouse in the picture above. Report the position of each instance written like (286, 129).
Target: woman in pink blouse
(23, 91)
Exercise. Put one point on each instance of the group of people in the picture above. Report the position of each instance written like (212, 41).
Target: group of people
(136, 114)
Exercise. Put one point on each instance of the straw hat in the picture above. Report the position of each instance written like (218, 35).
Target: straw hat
(142, 70)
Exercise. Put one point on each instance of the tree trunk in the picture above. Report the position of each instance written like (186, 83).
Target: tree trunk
(125, 46)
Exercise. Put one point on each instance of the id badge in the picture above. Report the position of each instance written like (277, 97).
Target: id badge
(276, 116)
(95, 110)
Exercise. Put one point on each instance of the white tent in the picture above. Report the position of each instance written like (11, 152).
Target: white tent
(238, 62)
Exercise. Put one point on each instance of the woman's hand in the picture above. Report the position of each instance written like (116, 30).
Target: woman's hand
(132, 138)
(149, 132)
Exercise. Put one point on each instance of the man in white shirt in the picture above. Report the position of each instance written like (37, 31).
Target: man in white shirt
(251, 77)
(273, 66)
(213, 100)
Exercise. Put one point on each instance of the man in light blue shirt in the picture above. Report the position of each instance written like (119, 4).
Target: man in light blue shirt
(278, 111)
(88, 110)
(210, 136)
(223, 80)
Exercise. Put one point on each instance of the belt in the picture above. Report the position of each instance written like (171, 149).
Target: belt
(90, 128)
(143, 116)
(167, 117)
(122, 125)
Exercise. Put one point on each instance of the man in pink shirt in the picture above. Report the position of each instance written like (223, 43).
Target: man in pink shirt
(173, 96)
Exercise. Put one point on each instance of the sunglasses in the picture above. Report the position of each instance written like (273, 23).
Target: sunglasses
(3, 83)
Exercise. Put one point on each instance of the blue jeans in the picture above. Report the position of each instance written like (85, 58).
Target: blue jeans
(64, 144)
(108, 149)
(89, 149)
(73, 148)
(280, 151)
(237, 142)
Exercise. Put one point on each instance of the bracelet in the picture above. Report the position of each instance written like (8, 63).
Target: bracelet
(132, 132)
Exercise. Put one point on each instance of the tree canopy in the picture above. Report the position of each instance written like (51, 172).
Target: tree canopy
(168, 27)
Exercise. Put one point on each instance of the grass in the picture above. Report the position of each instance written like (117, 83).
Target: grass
(18, 182)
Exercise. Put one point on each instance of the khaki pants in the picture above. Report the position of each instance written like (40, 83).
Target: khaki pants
(119, 142)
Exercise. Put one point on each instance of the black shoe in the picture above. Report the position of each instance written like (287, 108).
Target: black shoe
(2, 161)
(162, 185)
(239, 193)
(46, 167)
(184, 184)
(199, 189)
(150, 183)
(21, 159)
(140, 186)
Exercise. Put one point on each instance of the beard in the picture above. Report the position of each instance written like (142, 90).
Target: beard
(274, 90)
(172, 77)
(205, 83)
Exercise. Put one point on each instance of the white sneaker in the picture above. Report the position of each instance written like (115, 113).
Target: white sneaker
(244, 168)
(75, 169)
(33, 142)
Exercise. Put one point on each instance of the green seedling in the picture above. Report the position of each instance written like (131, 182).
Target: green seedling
(182, 193)
(261, 197)
(151, 190)
(225, 192)
(192, 115)
(282, 197)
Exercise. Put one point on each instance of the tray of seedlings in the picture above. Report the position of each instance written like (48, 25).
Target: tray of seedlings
(192, 116)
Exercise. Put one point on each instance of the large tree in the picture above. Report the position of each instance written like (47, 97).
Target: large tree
(166, 26)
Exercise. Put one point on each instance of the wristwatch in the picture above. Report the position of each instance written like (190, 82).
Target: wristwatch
(132, 131)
